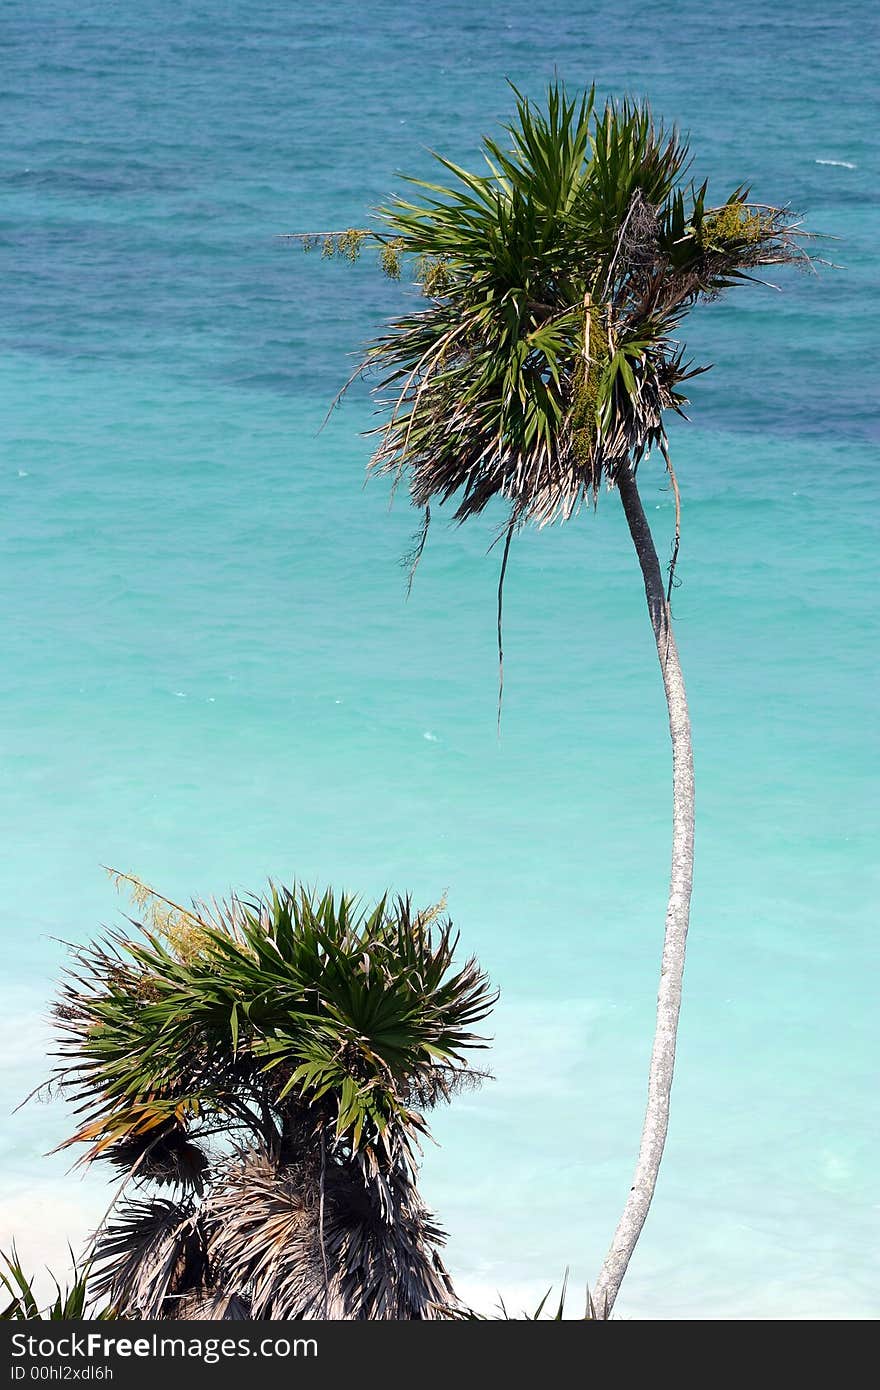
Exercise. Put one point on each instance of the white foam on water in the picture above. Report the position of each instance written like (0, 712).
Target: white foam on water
(837, 163)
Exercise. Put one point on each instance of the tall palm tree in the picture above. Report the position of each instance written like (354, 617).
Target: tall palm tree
(542, 367)
(257, 1073)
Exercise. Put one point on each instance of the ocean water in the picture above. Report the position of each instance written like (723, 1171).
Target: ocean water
(210, 673)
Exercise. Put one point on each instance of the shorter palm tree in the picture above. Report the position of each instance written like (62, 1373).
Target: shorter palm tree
(258, 1071)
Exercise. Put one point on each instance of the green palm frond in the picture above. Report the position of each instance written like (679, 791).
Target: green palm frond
(73, 1303)
(23, 1304)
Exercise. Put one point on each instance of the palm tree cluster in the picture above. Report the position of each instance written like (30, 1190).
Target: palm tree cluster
(557, 280)
(258, 1072)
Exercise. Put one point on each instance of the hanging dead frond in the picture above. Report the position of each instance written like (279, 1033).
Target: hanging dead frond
(151, 1251)
(507, 539)
(411, 560)
(378, 1258)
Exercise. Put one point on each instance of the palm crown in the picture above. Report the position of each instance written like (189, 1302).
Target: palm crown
(556, 282)
(270, 1062)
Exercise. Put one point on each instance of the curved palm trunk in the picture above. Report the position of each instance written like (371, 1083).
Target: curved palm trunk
(677, 913)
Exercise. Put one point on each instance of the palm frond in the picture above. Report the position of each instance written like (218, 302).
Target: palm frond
(151, 1251)
(23, 1304)
(215, 1305)
(592, 1311)
(72, 1303)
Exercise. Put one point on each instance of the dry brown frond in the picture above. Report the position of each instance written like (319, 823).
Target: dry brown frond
(380, 1250)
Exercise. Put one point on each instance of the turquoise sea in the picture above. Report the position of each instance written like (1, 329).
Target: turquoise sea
(210, 673)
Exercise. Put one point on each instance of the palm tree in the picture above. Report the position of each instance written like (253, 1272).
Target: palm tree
(541, 368)
(257, 1072)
